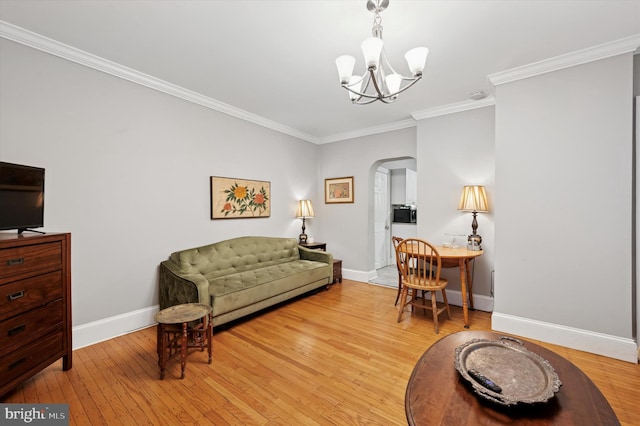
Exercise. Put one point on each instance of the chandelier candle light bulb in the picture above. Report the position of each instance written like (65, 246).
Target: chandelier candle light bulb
(345, 64)
(371, 50)
(378, 84)
(416, 59)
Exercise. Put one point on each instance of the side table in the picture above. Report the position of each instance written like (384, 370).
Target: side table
(315, 246)
(337, 271)
(175, 336)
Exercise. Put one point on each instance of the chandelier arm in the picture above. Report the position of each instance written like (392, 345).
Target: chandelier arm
(404, 88)
(365, 102)
(384, 57)
(387, 100)
(375, 83)
(366, 86)
(380, 96)
(363, 93)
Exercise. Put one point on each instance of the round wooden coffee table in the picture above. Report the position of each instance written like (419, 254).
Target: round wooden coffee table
(437, 394)
(175, 336)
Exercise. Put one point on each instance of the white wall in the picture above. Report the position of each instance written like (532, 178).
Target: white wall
(348, 228)
(456, 150)
(127, 173)
(564, 203)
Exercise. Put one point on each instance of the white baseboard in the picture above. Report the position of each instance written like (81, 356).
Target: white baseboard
(584, 340)
(481, 303)
(352, 274)
(108, 328)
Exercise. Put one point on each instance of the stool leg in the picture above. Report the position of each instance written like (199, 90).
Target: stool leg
(209, 335)
(183, 349)
(162, 350)
(158, 342)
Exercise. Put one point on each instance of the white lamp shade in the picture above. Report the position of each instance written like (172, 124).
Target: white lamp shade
(345, 64)
(305, 209)
(355, 83)
(473, 198)
(371, 49)
(416, 59)
(393, 82)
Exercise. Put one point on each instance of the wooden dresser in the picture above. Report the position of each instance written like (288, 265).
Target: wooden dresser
(35, 305)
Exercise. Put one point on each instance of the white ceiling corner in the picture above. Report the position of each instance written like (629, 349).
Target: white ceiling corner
(590, 54)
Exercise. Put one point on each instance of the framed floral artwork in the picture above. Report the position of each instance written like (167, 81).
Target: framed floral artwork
(338, 190)
(239, 198)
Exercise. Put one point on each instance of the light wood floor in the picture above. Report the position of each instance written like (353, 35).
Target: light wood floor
(334, 358)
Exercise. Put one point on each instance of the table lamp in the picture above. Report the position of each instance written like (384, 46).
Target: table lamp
(474, 199)
(305, 210)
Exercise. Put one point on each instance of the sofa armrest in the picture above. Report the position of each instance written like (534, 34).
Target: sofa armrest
(177, 288)
(318, 256)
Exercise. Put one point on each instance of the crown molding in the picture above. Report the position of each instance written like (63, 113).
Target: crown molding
(590, 54)
(396, 125)
(53, 47)
(453, 108)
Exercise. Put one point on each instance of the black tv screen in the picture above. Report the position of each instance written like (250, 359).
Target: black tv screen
(21, 197)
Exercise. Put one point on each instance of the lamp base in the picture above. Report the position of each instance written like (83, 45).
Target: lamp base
(474, 242)
(302, 238)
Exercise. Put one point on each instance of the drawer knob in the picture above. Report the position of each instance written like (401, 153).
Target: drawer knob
(17, 330)
(17, 295)
(13, 262)
(17, 363)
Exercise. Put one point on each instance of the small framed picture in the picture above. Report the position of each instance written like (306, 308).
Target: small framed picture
(338, 190)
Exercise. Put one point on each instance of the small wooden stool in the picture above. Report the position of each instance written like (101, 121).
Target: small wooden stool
(175, 336)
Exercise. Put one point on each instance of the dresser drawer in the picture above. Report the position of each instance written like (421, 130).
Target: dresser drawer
(20, 296)
(30, 259)
(30, 326)
(39, 353)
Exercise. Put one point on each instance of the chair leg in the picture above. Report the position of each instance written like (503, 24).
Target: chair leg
(446, 303)
(419, 296)
(434, 309)
(399, 290)
(403, 302)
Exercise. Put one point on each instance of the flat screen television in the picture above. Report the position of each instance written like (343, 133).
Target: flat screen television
(21, 197)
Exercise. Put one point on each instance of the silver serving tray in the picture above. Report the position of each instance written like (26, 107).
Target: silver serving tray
(525, 377)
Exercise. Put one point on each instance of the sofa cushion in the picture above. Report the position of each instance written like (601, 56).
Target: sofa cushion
(240, 289)
(236, 255)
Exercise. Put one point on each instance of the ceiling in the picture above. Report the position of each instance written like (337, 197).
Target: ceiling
(275, 59)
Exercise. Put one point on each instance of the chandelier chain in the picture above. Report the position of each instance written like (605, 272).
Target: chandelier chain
(376, 31)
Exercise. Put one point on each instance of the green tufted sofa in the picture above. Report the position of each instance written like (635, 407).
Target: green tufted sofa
(242, 275)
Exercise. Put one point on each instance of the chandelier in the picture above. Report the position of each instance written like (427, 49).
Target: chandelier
(380, 82)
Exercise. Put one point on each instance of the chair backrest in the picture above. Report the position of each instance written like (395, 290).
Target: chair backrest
(396, 241)
(421, 262)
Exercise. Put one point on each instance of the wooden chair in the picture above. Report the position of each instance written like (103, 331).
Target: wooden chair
(396, 241)
(411, 252)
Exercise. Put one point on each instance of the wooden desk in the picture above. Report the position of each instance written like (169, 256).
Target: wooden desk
(460, 257)
(437, 394)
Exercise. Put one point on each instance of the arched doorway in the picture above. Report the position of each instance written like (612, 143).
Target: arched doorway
(387, 186)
